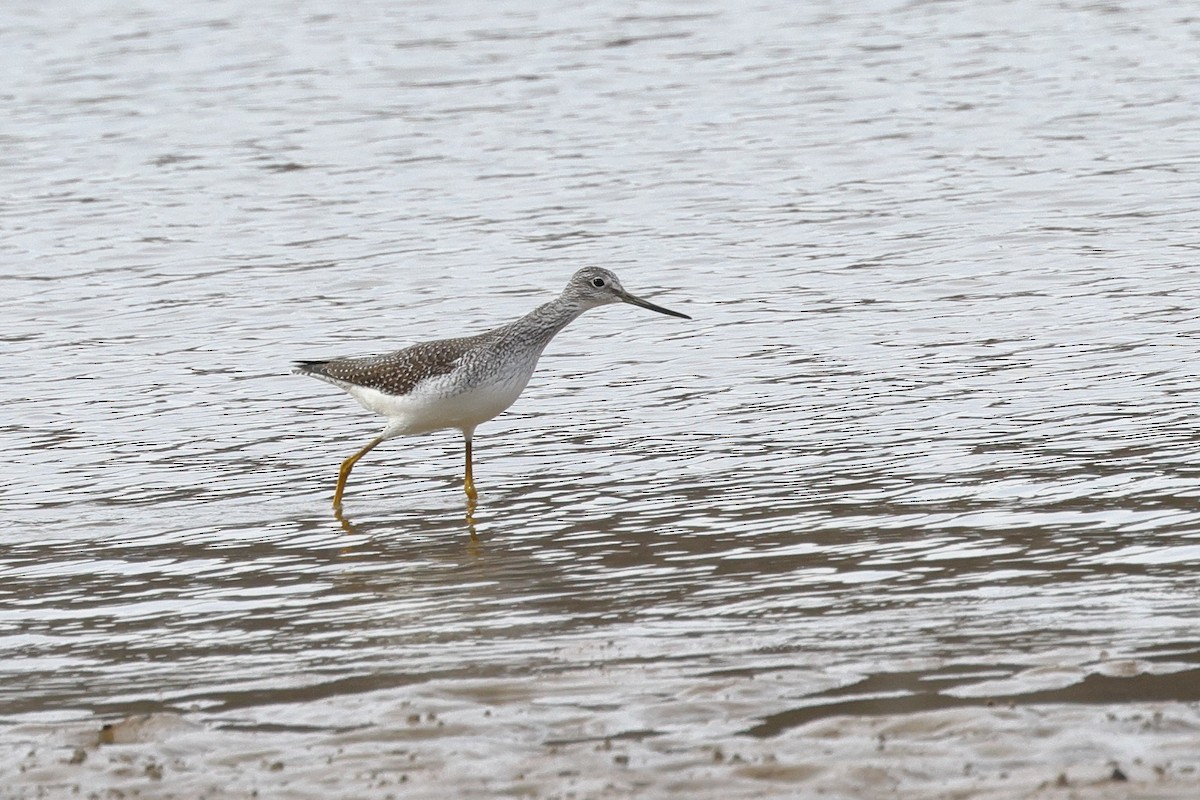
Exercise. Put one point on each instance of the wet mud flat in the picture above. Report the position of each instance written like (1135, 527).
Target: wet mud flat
(433, 746)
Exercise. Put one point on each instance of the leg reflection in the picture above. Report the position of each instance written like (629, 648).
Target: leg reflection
(347, 525)
(471, 506)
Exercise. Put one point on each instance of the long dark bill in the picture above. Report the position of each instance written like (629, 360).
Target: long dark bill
(637, 301)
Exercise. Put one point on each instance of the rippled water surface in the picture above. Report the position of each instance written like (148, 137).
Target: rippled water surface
(925, 465)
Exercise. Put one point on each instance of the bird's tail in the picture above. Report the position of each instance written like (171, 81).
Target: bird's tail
(309, 367)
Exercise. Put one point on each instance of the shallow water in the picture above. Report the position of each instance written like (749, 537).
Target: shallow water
(929, 443)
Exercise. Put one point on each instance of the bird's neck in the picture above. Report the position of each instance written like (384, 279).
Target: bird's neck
(544, 322)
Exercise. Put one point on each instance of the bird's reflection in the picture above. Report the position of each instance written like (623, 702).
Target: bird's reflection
(349, 527)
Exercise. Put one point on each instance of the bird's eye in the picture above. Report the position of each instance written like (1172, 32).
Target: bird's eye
(598, 283)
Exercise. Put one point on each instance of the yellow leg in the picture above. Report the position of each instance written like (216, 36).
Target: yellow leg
(469, 481)
(348, 465)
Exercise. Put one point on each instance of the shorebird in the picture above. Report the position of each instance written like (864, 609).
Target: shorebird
(463, 382)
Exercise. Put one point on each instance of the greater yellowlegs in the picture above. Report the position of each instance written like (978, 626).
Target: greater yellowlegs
(460, 383)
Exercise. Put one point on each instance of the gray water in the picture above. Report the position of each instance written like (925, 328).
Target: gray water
(929, 443)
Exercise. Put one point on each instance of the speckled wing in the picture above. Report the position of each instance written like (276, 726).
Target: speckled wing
(396, 373)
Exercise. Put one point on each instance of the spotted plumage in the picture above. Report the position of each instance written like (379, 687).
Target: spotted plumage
(395, 373)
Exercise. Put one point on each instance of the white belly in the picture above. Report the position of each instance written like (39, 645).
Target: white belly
(443, 403)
